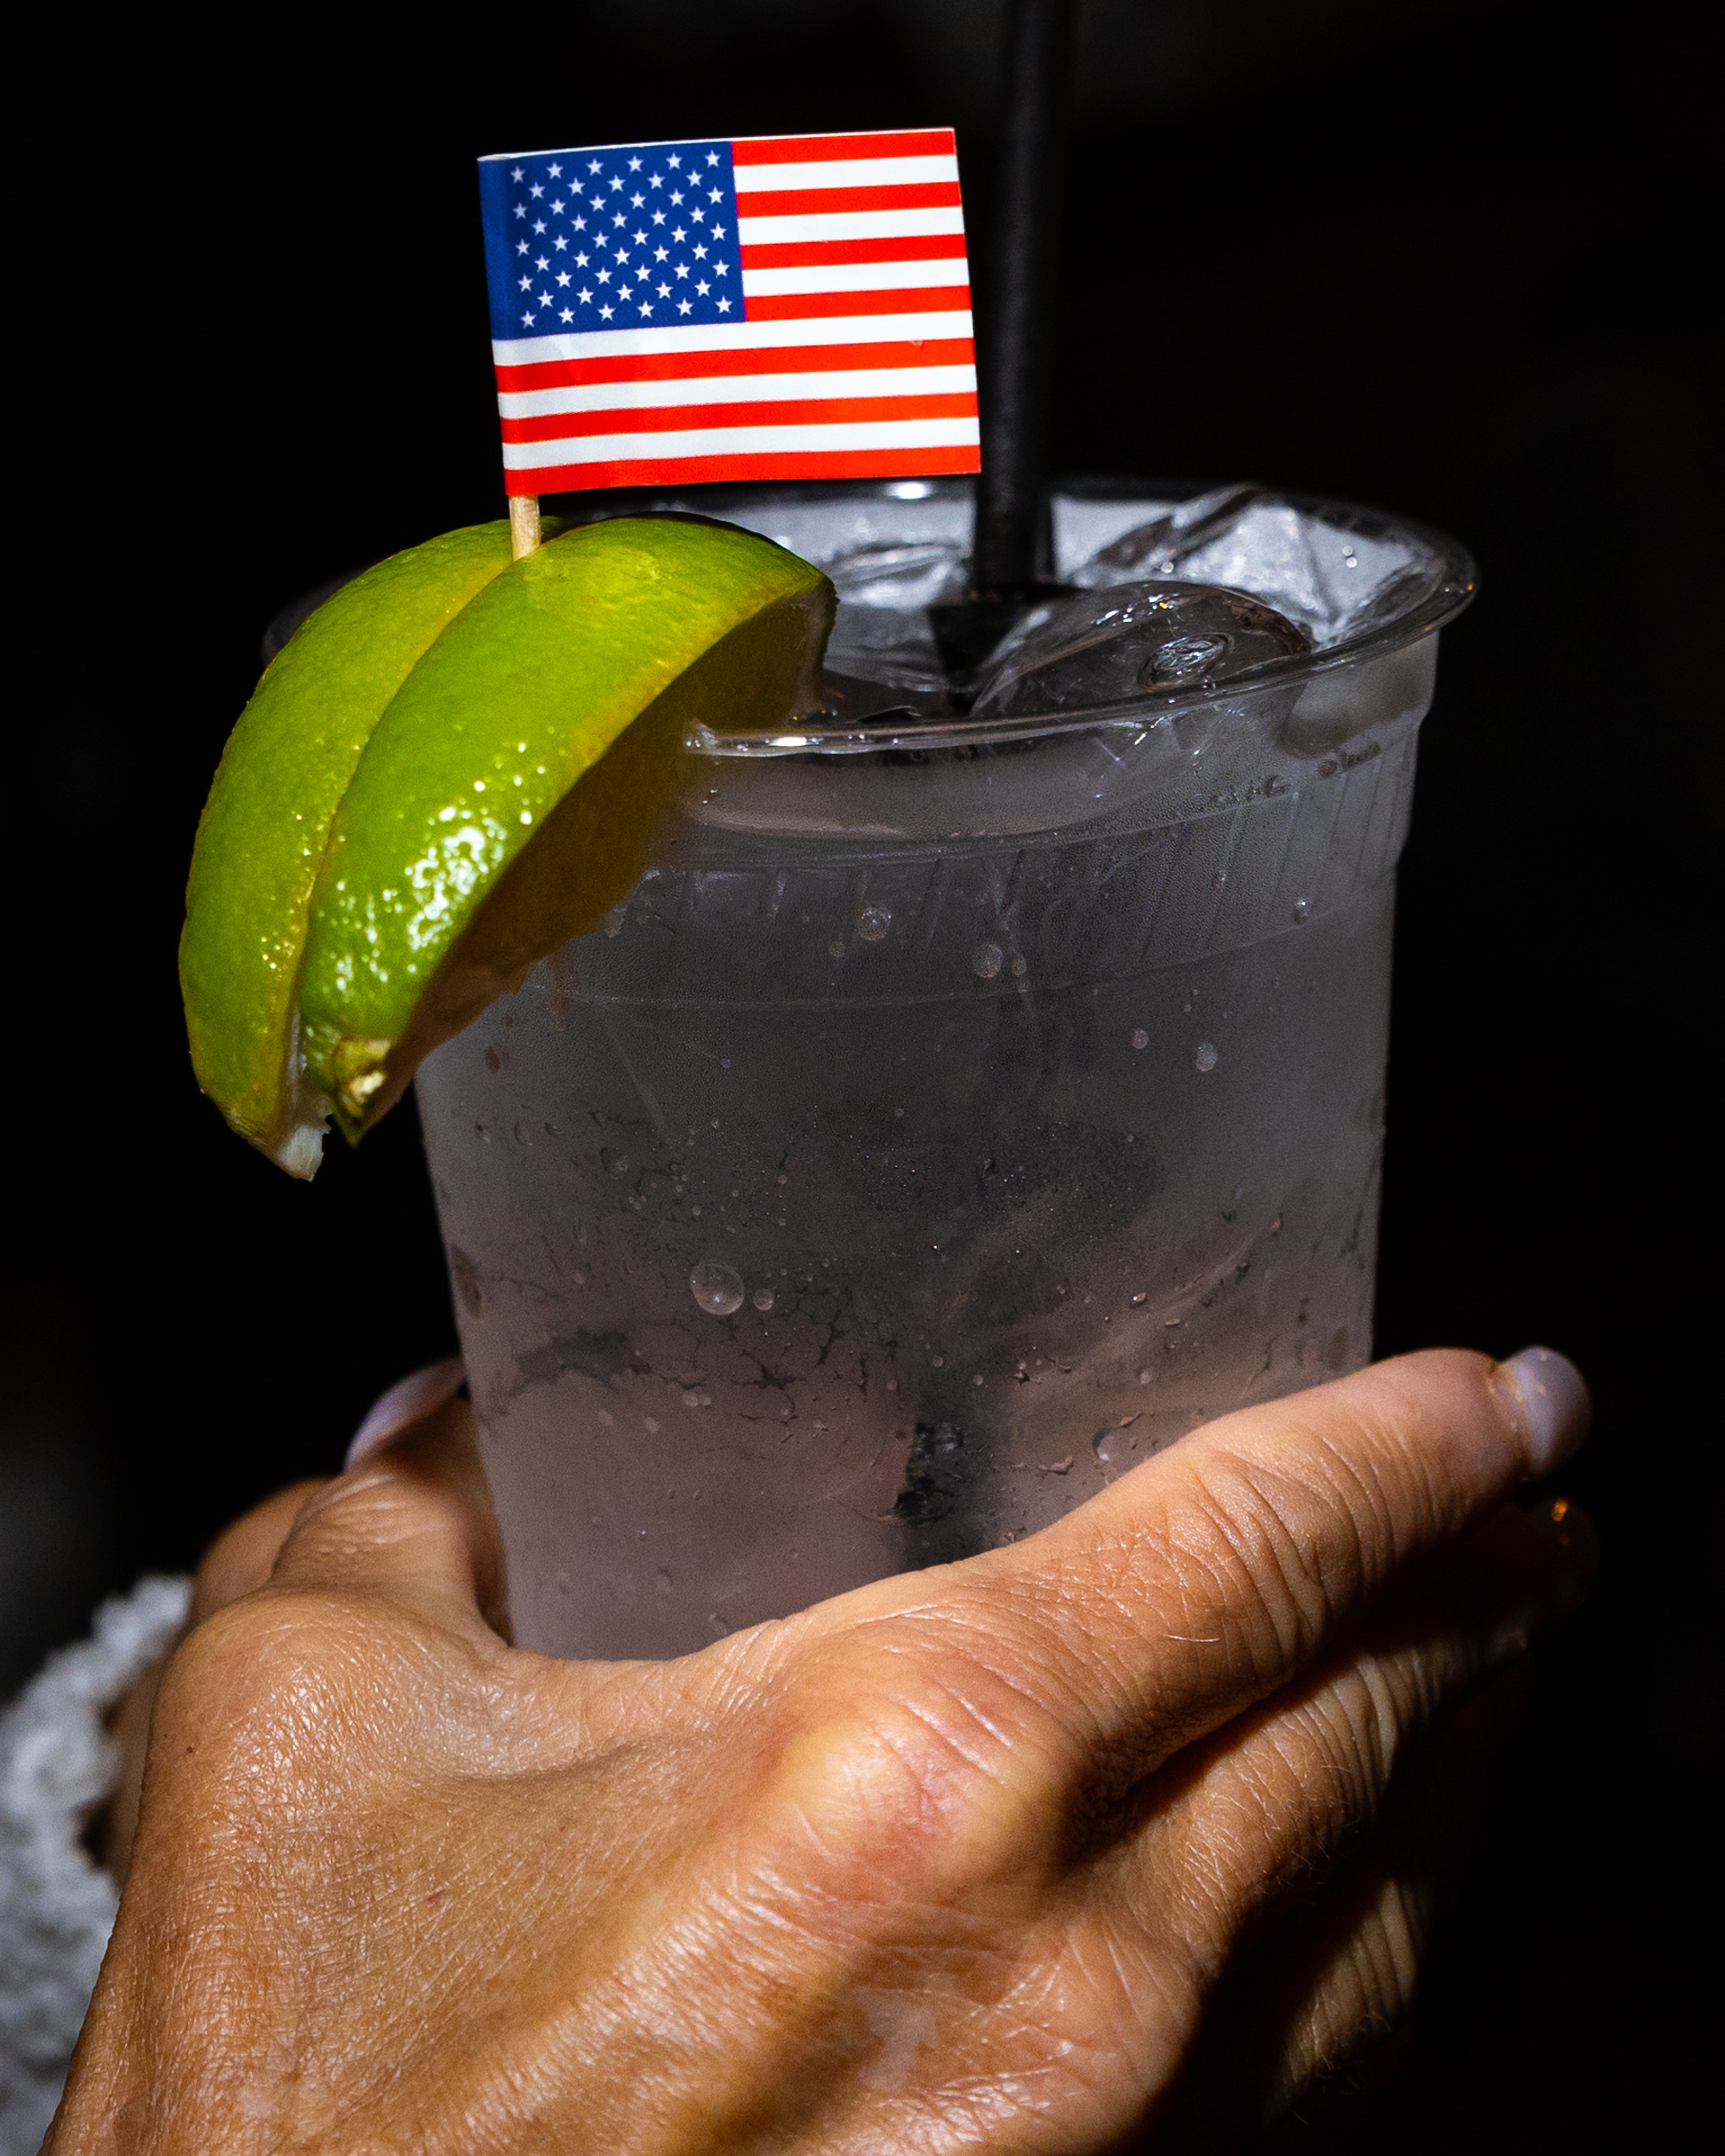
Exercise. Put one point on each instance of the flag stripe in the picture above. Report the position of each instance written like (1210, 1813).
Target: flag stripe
(635, 395)
(829, 149)
(916, 463)
(897, 275)
(853, 224)
(728, 336)
(808, 306)
(933, 353)
(846, 173)
(940, 249)
(568, 426)
(697, 442)
(810, 202)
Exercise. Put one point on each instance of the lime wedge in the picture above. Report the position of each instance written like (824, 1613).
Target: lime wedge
(265, 826)
(503, 801)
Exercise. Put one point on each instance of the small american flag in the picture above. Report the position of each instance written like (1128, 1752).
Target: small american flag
(782, 307)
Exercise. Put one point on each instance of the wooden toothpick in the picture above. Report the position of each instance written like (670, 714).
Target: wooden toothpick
(524, 525)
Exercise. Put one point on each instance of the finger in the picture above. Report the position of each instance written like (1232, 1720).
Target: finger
(412, 1523)
(1314, 2021)
(1270, 1806)
(242, 1555)
(1214, 1574)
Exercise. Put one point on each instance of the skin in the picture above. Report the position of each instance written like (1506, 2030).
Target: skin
(1128, 1835)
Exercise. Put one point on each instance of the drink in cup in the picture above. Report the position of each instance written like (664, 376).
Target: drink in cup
(982, 1083)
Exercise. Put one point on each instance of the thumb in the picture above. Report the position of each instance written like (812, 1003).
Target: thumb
(409, 1521)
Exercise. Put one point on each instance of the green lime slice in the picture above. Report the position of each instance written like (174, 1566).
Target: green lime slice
(262, 836)
(346, 916)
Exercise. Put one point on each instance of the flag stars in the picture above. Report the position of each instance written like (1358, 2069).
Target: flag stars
(543, 262)
(676, 194)
(520, 246)
(682, 269)
(686, 306)
(559, 243)
(662, 254)
(606, 313)
(555, 171)
(718, 232)
(556, 209)
(663, 291)
(715, 194)
(580, 261)
(700, 255)
(678, 232)
(617, 184)
(673, 162)
(658, 216)
(584, 295)
(564, 278)
(536, 190)
(634, 164)
(518, 175)
(592, 164)
(656, 180)
(580, 225)
(526, 284)
(646, 306)
(619, 219)
(521, 209)
(724, 306)
(713, 157)
(636, 200)
(565, 314)
(703, 288)
(539, 224)
(641, 239)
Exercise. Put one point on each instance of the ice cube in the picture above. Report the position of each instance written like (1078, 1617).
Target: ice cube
(883, 633)
(1149, 638)
(1159, 547)
(1328, 577)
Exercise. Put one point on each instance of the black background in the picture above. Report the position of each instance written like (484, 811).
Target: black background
(1442, 259)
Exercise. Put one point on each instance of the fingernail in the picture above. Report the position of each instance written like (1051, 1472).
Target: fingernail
(409, 1399)
(1554, 1397)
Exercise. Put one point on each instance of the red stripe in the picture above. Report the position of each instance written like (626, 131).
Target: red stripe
(564, 426)
(801, 306)
(815, 202)
(939, 247)
(807, 149)
(684, 367)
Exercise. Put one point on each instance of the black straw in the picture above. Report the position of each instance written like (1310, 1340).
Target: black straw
(1010, 550)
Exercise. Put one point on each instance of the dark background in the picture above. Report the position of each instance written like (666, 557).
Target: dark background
(1438, 258)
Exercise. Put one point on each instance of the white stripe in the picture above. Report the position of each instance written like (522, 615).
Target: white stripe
(731, 336)
(853, 277)
(738, 389)
(850, 224)
(704, 441)
(845, 171)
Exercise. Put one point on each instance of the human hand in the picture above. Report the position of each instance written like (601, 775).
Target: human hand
(986, 1857)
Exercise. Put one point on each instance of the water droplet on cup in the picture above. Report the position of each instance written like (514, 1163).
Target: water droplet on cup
(1146, 1377)
(1140, 1038)
(762, 1299)
(615, 1163)
(1303, 909)
(717, 1287)
(987, 960)
(1206, 1057)
(835, 949)
(873, 922)
(1020, 968)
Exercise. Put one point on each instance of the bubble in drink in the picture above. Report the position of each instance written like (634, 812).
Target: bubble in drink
(762, 1299)
(1140, 1038)
(717, 1287)
(987, 960)
(1206, 1057)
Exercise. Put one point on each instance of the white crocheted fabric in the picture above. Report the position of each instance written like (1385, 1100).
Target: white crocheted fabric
(57, 1906)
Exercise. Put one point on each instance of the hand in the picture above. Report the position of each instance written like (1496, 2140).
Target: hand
(999, 1856)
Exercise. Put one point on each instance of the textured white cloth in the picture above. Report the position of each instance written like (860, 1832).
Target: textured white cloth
(57, 1906)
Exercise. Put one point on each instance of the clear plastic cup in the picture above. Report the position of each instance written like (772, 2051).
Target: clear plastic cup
(962, 1109)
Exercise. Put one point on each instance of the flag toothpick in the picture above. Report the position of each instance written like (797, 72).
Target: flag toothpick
(524, 525)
